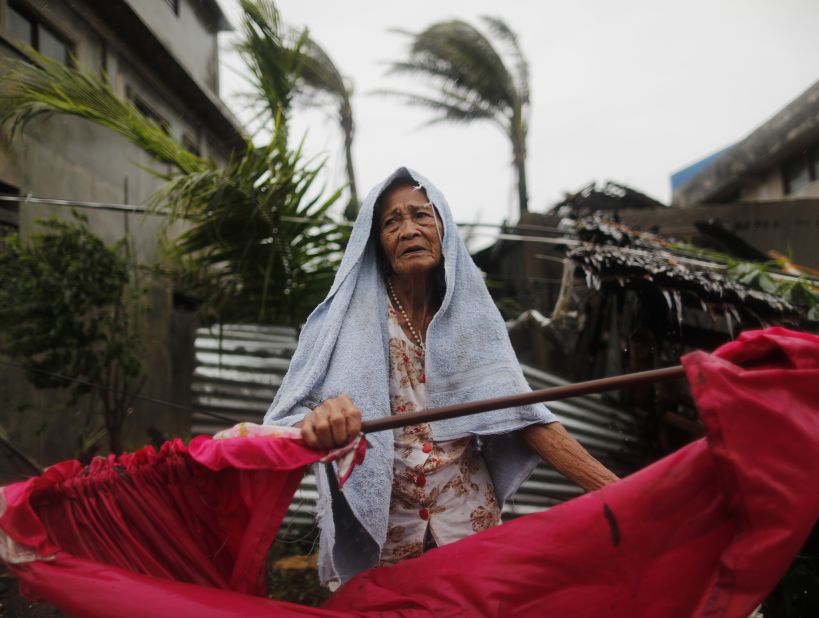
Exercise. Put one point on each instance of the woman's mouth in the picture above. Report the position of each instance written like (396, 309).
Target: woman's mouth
(412, 251)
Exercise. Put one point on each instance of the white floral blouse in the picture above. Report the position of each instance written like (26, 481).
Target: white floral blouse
(441, 491)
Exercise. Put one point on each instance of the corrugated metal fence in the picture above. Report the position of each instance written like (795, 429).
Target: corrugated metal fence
(239, 368)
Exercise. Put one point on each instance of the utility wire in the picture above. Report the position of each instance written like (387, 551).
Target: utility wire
(131, 208)
(503, 235)
(29, 199)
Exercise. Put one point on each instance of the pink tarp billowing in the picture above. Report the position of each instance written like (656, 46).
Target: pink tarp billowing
(706, 531)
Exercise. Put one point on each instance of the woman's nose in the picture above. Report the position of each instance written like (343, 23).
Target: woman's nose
(408, 228)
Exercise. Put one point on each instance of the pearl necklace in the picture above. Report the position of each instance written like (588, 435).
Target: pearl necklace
(414, 333)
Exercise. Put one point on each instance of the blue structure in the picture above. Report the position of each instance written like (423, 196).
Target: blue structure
(679, 178)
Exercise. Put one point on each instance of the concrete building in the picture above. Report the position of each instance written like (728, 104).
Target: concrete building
(778, 160)
(763, 190)
(163, 55)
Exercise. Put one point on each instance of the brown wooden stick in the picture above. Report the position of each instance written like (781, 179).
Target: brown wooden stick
(546, 394)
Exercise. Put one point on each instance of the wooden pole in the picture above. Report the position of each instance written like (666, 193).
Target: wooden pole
(547, 394)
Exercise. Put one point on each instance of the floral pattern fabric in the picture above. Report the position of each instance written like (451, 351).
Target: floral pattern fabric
(441, 491)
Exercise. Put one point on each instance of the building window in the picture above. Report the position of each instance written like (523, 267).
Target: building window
(9, 217)
(21, 27)
(801, 170)
(174, 4)
(9, 212)
(147, 111)
(190, 145)
(27, 28)
(797, 175)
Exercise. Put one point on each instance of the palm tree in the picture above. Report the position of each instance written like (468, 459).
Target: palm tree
(286, 64)
(471, 80)
(272, 53)
(251, 249)
(319, 76)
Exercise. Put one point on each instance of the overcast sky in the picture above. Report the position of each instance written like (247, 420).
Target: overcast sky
(630, 90)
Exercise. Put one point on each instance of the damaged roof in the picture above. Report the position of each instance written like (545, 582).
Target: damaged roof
(614, 252)
(611, 197)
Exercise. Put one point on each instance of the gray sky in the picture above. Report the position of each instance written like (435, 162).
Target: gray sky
(631, 90)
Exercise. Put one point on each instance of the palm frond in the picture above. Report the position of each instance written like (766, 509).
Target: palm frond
(449, 107)
(468, 57)
(273, 55)
(502, 32)
(319, 73)
(46, 87)
(471, 80)
(241, 252)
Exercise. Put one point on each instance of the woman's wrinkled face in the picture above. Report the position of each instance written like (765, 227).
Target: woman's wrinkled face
(408, 235)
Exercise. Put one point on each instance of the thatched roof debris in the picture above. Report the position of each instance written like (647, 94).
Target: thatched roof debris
(611, 198)
(614, 252)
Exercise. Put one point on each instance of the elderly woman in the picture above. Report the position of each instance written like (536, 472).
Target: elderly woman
(408, 324)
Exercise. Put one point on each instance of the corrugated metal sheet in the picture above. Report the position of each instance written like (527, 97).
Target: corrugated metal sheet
(239, 370)
(237, 373)
(609, 433)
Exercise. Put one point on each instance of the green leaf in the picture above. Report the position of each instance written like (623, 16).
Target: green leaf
(800, 295)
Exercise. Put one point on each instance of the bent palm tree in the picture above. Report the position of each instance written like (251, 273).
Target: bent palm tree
(470, 80)
(273, 54)
(284, 65)
(319, 76)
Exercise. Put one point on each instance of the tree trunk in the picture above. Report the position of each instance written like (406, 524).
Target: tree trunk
(113, 400)
(351, 210)
(115, 440)
(113, 425)
(519, 161)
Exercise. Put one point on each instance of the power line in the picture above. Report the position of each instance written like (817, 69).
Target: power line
(541, 239)
(136, 209)
(30, 199)
(503, 235)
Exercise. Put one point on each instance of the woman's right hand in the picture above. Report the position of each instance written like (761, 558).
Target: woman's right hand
(335, 423)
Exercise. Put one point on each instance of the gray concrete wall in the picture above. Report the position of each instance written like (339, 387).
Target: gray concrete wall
(189, 36)
(770, 185)
(68, 158)
(810, 190)
(92, 40)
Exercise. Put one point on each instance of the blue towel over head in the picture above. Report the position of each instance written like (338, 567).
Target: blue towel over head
(343, 349)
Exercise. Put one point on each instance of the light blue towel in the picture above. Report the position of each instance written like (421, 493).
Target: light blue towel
(343, 348)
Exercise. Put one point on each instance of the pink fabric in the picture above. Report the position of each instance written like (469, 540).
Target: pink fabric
(706, 531)
(204, 514)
